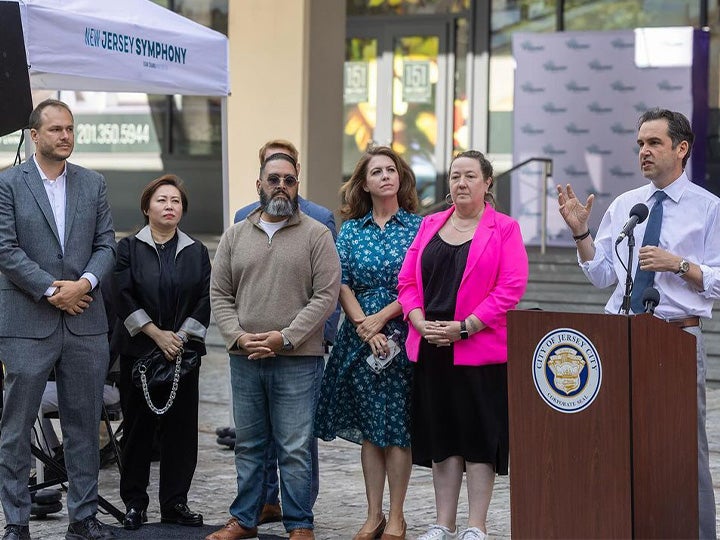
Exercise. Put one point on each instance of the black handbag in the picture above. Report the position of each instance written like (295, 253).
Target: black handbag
(153, 370)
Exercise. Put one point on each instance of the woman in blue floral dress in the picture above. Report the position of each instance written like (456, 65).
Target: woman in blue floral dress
(370, 406)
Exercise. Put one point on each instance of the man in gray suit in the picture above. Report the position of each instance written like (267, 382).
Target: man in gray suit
(56, 244)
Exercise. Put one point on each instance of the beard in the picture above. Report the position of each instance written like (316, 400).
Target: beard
(278, 206)
(52, 153)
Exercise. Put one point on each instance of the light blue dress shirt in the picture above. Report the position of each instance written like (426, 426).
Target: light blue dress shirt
(690, 229)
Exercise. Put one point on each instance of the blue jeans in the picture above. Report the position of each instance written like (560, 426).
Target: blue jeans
(272, 485)
(274, 399)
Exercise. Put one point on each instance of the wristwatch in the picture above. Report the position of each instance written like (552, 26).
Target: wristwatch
(683, 269)
(463, 331)
(286, 343)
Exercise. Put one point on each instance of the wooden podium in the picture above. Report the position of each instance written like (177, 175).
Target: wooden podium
(613, 455)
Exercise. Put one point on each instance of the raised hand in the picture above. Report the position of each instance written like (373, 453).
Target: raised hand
(575, 213)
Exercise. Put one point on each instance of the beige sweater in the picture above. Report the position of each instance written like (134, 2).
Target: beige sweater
(289, 284)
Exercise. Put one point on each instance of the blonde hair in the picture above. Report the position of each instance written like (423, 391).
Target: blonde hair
(287, 147)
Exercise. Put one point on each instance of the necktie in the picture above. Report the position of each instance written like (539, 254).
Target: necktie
(644, 279)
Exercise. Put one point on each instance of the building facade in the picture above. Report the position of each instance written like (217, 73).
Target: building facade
(430, 77)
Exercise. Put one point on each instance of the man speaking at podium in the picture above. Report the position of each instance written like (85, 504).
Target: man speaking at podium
(680, 253)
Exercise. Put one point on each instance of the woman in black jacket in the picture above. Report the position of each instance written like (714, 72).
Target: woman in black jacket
(162, 298)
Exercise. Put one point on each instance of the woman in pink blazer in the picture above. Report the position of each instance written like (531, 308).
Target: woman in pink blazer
(466, 268)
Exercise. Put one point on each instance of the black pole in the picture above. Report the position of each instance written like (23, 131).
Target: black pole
(628, 277)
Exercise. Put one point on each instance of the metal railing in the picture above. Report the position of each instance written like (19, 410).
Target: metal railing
(505, 175)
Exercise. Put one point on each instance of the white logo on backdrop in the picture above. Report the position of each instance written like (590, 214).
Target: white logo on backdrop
(577, 99)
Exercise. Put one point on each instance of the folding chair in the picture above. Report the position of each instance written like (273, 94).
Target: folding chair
(46, 461)
(54, 465)
(110, 412)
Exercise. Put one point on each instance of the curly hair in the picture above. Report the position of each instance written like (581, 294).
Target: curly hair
(357, 202)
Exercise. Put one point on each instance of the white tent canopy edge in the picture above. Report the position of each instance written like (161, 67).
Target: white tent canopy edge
(128, 46)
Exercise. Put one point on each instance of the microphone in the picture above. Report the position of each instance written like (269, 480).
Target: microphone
(638, 214)
(650, 299)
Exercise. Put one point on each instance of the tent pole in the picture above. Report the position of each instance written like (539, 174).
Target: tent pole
(225, 167)
(29, 145)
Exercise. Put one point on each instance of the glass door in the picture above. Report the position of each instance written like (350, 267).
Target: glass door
(396, 93)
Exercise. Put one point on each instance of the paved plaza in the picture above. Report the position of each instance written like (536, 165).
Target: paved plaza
(340, 508)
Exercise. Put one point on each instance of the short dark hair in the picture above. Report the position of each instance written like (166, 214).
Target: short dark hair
(35, 120)
(679, 129)
(152, 187)
(275, 157)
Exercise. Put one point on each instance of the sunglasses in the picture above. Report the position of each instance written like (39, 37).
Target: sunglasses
(274, 180)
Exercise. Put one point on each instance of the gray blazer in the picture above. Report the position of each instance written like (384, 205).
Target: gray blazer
(31, 257)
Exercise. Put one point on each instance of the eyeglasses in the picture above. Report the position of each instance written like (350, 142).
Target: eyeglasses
(274, 180)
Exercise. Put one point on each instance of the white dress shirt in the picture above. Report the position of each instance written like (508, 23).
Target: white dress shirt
(55, 190)
(690, 229)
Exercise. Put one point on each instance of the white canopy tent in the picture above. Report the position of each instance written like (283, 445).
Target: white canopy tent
(124, 46)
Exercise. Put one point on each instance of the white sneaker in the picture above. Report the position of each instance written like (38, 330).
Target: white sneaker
(438, 532)
(473, 533)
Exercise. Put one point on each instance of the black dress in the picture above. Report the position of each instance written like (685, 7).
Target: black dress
(456, 410)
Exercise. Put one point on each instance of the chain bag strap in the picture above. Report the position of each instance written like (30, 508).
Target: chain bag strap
(173, 390)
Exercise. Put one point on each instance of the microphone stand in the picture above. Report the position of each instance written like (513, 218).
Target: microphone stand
(625, 308)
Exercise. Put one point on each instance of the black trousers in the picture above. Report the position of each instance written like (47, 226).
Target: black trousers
(177, 432)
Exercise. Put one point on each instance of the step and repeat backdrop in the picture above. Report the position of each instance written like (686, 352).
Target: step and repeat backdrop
(578, 96)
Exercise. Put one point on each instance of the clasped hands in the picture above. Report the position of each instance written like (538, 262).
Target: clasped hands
(439, 333)
(170, 343)
(261, 345)
(71, 296)
(369, 329)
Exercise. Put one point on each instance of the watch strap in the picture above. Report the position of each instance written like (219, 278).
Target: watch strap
(464, 334)
(684, 268)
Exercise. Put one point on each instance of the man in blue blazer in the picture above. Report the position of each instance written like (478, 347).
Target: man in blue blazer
(56, 244)
(271, 510)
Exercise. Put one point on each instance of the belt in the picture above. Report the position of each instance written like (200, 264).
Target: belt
(686, 322)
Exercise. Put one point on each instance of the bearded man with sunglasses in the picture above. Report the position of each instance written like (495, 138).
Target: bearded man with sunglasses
(275, 280)
(272, 511)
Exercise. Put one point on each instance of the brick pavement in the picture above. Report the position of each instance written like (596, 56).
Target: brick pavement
(341, 504)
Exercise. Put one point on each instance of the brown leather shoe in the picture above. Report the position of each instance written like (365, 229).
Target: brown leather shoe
(372, 535)
(302, 534)
(400, 536)
(232, 531)
(271, 513)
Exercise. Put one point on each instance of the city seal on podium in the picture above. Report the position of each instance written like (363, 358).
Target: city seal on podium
(566, 370)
